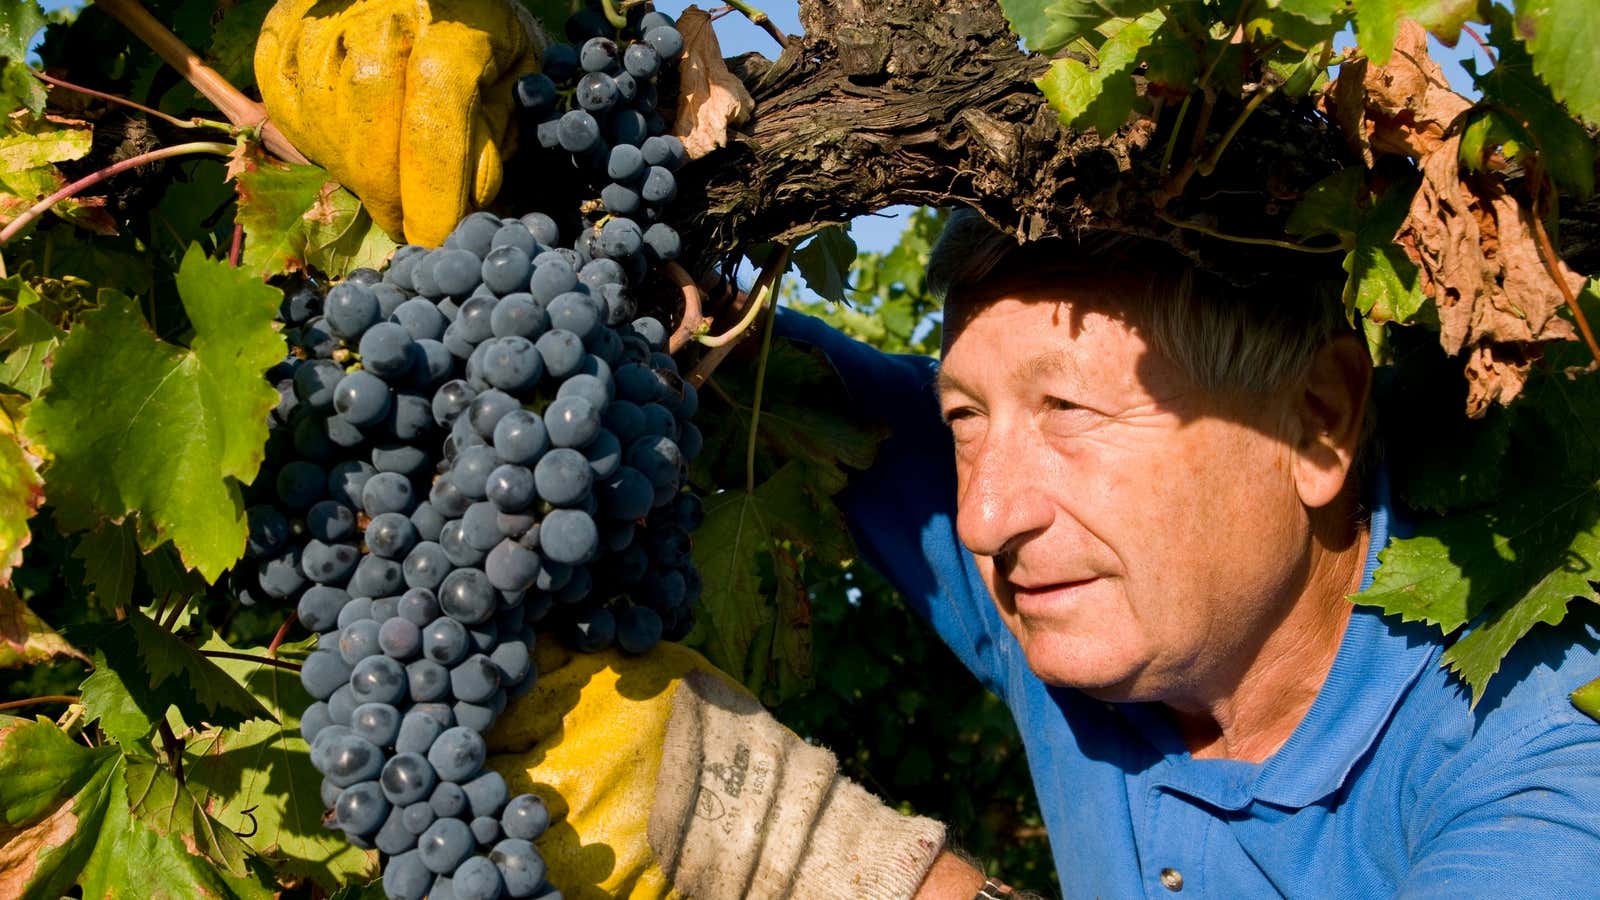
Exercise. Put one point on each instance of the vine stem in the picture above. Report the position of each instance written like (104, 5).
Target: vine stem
(1209, 164)
(762, 21)
(236, 107)
(616, 17)
(1487, 50)
(195, 122)
(32, 701)
(761, 382)
(237, 249)
(1240, 239)
(246, 657)
(177, 610)
(174, 747)
(692, 305)
(1547, 254)
(756, 297)
(283, 632)
(94, 178)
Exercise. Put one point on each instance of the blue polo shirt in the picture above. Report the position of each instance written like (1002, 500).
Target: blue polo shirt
(1392, 785)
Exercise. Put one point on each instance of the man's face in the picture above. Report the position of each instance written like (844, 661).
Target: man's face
(1138, 534)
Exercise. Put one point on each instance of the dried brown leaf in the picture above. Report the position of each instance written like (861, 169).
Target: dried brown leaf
(1404, 108)
(710, 98)
(1496, 373)
(1473, 242)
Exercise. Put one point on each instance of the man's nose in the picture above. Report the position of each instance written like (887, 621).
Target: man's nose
(1001, 503)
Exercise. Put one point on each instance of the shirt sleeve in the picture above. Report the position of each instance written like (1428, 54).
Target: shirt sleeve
(1523, 821)
(901, 511)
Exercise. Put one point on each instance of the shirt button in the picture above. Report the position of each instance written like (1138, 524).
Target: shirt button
(1172, 880)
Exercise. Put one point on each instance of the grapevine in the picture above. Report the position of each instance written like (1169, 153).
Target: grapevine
(285, 506)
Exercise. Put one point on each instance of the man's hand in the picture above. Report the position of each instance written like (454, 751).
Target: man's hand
(664, 779)
(406, 102)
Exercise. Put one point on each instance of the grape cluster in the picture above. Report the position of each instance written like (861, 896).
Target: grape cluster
(596, 100)
(482, 438)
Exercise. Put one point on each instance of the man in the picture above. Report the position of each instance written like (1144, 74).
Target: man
(1133, 499)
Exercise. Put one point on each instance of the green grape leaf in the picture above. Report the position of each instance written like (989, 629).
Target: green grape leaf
(1383, 285)
(21, 493)
(124, 718)
(25, 639)
(19, 22)
(232, 51)
(824, 262)
(1320, 12)
(28, 336)
(139, 425)
(1101, 98)
(1331, 206)
(1519, 561)
(43, 145)
(1564, 145)
(729, 548)
(1378, 22)
(157, 799)
(1563, 36)
(294, 217)
(158, 670)
(1046, 26)
(109, 553)
(257, 780)
(54, 795)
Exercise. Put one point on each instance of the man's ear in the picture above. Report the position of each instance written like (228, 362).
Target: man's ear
(1330, 411)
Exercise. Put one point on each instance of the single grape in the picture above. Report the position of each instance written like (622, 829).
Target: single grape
(314, 719)
(553, 275)
(572, 421)
(626, 164)
(475, 679)
(348, 758)
(427, 681)
(604, 454)
(448, 800)
(300, 484)
(477, 879)
(418, 731)
(378, 679)
(391, 535)
(521, 867)
(542, 227)
(417, 818)
(476, 319)
(593, 630)
(641, 60)
(511, 567)
(510, 488)
(620, 237)
(402, 459)
(665, 151)
(458, 754)
(451, 400)
(268, 530)
(621, 200)
(447, 498)
(386, 350)
(486, 831)
(467, 596)
(517, 315)
(419, 605)
(512, 363)
(351, 308)
(569, 536)
(406, 878)
(362, 808)
(525, 817)
(281, 577)
(638, 629)
(400, 638)
(577, 131)
(563, 477)
(662, 243)
(626, 495)
(377, 722)
(358, 640)
(490, 406)
(444, 845)
(456, 272)
(562, 352)
(393, 839)
(578, 313)
(425, 567)
(420, 318)
(387, 492)
(319, 607)
(660, 187)
(407, 778)
(514, 661)
(599, 54)
(665, 40)
(597, 92)
(444, 641)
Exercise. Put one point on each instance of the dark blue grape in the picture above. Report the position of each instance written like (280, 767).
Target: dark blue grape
(512, 363)
(419, 605)
(662, 243)
(474, 232)
(402, 459)
(268, 530)
(376, 577)
(410, 417)
(346, 481)
(665, 40)
(456, 272)
(658, 421)
(451, 400)
(358, 640)
(569, 536)
(562, 352)
(300, 484)
(572, 421)
(599, 54)
(517, 315)
(593, 630)
(515, 234)
(638, 629)
(491, 406)
(626, 495)
(426, 681)
(351, 308)
(362, 808)
(444, 845)
(452, 538)
(445, 641)
(511, 567)
(626, 163)
(510, 488)
(520, 438)
(355, 609)
(385, 608)
(458, 754)
(417, 818)
(626, 125)
(521, 867)
(406, 878)
(476, 319)
(377, 722)
(378, 679)
(620, 237)
(597, 92)
(328, 563)
(486, 831)
(660, 187)
(420, 318)
(418, 731)
(314, 719)
(577, 132)
(576, 312)
(604, 454)
(637, 383)
(391, 535)
(319, 607)
(300, 303)
(400, 638)
(624, 419)
(425, 567)
(553, 275)
(407, 778)
(506, 269)
(447, 499)
(386, 350)
(455, 340)
(448, 800)
(387, 492)
(480, 526)
(621, 200)
(514, 661)
(665, 151)
(362, 397)
(474, 679)
(348, 758)
(641, 60)
(563, 477)
(542, 227)
(467, 596)
(280, 577)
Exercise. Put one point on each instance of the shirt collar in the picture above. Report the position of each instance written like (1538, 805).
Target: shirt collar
(1378, 660)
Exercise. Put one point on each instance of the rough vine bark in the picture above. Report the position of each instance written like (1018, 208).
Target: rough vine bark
(885, 102)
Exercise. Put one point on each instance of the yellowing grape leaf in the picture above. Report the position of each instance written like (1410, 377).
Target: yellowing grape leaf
(137, 425)
(25, 639)
(21, 492)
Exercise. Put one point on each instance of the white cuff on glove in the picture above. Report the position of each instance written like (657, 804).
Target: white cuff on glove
(746, 809)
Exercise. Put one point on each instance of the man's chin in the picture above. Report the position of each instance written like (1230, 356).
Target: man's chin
(1097, 671)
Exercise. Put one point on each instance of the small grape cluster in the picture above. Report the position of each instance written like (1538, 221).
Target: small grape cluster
(482, 437)
(596, 100)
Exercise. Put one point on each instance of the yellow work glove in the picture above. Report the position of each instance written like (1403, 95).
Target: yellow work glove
(408, 103)
(665, 779)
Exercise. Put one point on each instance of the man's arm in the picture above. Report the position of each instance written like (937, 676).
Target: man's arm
(951, 878)
(1523, 822)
